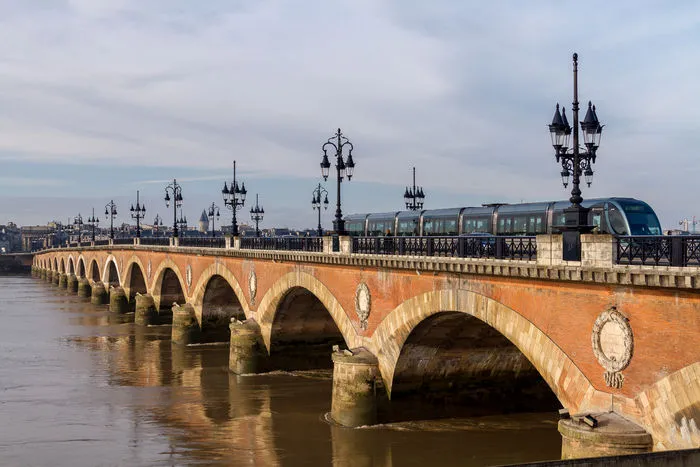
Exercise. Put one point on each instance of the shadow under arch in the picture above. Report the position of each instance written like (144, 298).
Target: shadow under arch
(302, 322)
(219, 304)
(55, 264)
(134, 279)
(111, 276)
(80, 270)
(217, 269)
(546, 357)
(270, 302)
(71, 265)
(167, 286)
(95, 271)
(62, 266)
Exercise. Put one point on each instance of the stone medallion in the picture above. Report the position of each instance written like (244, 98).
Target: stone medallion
(613, 345)
(188, 276)
(363, 304)
(149, 269)
(252, 287)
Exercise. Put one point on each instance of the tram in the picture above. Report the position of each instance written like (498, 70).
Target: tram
(617, 216)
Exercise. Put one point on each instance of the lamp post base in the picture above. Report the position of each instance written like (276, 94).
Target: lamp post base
(339, 226)
(575, 224)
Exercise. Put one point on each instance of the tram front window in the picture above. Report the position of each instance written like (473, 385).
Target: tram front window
(642, 219)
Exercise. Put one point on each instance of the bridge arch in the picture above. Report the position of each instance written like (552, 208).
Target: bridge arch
(71, 265)
(134, 278)
(168, 285)
(324, 321)
(94, 271)
(217, 286)
(111, 276)
(80, 270)
(54, 266)
(62, 266)
(549, 360)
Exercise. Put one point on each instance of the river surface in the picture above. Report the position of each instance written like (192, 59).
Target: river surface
(80, 386)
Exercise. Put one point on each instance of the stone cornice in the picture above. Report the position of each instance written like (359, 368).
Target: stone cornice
(623, 275)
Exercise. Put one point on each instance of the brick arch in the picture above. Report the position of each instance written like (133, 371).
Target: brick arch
(157, 281)
(550, 361)
(217, 269)
(55, 264)
(62, 266)
(71, 265)
(269, 303)
(134, 260)
(105, 269)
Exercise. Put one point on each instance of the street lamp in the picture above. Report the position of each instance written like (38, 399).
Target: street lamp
(93, 221)
(157, 222)
(213, 213)
(256, 215)
(176, 190)
(343, 167)
(111, 213)
(234, 199)
(414, 196)
(316, 195)
(138, 213)
(574, 161)
(78, 222)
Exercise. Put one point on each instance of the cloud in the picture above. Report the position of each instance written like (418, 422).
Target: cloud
(462, 90)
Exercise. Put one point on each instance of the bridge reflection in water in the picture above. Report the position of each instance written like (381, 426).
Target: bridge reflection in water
(210, 416)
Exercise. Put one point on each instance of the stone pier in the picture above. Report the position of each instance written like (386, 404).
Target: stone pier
(118, 303)
(99, 294)
(185, 326)
(354, 400)
(613, 436)
(84, 289)
(146, 312)
(72, 283)
(247, 354)
(62, 281)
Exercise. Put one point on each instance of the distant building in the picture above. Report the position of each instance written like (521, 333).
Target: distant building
(204, 222)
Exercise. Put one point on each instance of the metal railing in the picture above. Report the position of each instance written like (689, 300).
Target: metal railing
(659, 250)
(203, 242)
(155, 241)
(498, 247)
(123, 241)
(283, 243)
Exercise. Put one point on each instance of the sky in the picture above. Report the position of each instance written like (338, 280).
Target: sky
(101, 98)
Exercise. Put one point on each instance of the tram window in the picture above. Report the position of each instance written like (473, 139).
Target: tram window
(617, 221)
(450, 227)
(538, 224)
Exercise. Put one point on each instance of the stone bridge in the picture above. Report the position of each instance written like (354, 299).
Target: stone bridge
(618, 343)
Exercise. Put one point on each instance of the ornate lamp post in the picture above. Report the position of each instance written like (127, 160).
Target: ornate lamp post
(93, 221)
(338, 142)
(234, 199)
(157, 222)
(111, 213)
(256, 215)
(78, 222)
(138, 213)
(575, 162)
(316, 195)
(176, 190)
(213, 213)
(414, 196)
